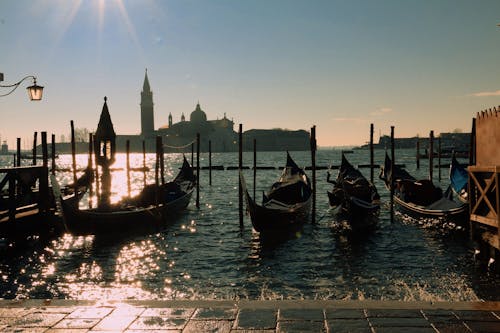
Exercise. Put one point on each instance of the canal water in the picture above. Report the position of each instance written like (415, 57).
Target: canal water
(204, 254)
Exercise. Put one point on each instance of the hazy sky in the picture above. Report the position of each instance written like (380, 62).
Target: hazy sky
(337, 64)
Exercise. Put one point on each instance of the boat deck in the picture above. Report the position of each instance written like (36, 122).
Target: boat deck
(247, 316)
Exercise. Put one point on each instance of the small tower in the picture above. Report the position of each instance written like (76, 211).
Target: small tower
(183, 118)
(170, 120)
(147, 110)
(104, 152)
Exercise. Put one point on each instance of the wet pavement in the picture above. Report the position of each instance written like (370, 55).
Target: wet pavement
(247, 316)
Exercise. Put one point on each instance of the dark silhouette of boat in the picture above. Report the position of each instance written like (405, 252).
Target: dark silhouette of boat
(147, 211)
(354, 197)
(421, 198)
(287, 204)
(459, 179)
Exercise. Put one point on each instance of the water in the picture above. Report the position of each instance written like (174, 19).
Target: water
(204, 254)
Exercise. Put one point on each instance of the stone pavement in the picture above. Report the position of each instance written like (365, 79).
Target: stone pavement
(69, 316)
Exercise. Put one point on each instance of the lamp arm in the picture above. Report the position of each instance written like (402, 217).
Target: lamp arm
(16, 85)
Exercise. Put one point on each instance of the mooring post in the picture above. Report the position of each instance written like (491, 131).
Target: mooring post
(391, 181)
(18, 152)
(372, 158)
(254, 166)
(313, 164)
(439, 157)
(12, 195)
(431, 154)
(144, 162)
(127, 148)
(157, 164)
(198, 170)
(44, 176)
(34, 147)
(210, 162)
(240, 167)
(418, 153)
(472, 144)
(73, 157)
(90, 165)
(192, 154)
(53, 153)
(162, 162)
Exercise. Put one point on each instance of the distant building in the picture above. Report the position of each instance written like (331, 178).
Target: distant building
(179, 136)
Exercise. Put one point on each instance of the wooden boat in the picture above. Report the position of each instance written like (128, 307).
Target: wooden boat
(459, 180)
(287, 204)
(147, 211)
(421, 198)
(355, 198)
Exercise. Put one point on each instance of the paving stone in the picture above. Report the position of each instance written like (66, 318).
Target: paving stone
(90, 312)
(77, 323)
(256, 319)
(208, 326)
(344, 314)
(24, 330)
(38, 320)
(66, 330)
(404, 329)
(168, 312)
(127, 311)
(399, 322)
(53, 309)
(484, 326)
(394, 313)
(300, 326)
(158, 323)
(451, 328)
(14, 312)
(348, 325)
(252, 331)
(215, 313)
(301, 314)
(439, 312)
(476, 315)
(149, 331)
(115, 322)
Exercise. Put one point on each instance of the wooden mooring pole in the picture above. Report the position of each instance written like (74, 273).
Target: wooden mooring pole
(90, 165)
(157, 164)
(240, 167)
(192, 154)
(472, 144)
(418, 153)
(144, 162)
(44, 177)
(210, 162)
(73, 157)
(392, 178)
(18, 152)
(254, 166)
(431, 154)
(53, 154)
(127, 148)
(313, 163)
(372, 158)
(439, 158)
(34, 147)
(198, 170)
(162, 162)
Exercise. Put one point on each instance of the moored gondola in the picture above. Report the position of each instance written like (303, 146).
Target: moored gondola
(354, 197)
(459, 179)
(287, 204)
(421, 198)
(145, 212)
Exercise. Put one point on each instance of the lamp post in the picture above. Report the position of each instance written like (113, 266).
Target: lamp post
(34, 91)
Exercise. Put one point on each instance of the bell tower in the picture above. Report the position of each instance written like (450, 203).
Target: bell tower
(147, 112)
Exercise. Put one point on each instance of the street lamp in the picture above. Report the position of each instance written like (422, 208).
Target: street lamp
(34, 91)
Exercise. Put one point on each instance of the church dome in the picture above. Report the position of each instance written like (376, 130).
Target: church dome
(198, 115)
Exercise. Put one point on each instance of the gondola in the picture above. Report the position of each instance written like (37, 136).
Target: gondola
(146, 211)
(421, 198)
(459, 179)
(353, 197)
(287, 204)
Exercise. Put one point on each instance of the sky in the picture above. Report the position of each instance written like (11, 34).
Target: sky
(418, 65)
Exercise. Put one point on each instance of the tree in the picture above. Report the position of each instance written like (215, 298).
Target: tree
(81, 134)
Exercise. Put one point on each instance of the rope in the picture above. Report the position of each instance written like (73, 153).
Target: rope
(181, 147)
